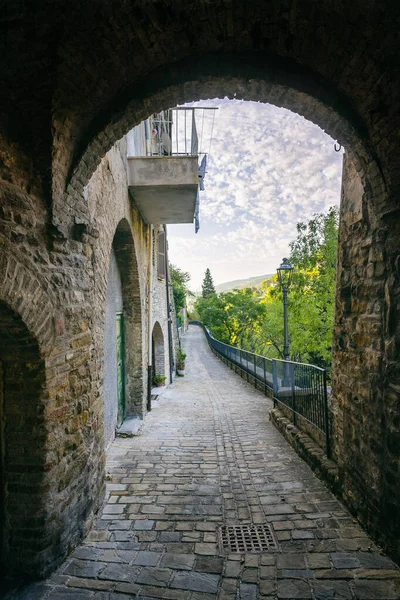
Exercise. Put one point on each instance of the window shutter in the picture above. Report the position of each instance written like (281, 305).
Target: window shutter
(161, 255)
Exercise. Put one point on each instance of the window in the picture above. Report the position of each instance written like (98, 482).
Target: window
(161, 255)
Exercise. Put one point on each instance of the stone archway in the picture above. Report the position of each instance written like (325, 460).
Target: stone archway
(158, 350)
(366, 323)
(23, 444)
(336, 65)
(123, 376)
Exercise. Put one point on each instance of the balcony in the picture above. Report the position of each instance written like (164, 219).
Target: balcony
(164, 188)
(167, 164)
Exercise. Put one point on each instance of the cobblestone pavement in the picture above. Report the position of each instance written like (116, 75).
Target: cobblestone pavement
(209, 456)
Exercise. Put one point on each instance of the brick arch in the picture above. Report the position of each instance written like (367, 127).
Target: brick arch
(158, 349)
(82, 65)
(23, 448)
(124, 248)
(283, 84)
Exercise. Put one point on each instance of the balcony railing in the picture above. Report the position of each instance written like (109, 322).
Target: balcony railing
(299, 387)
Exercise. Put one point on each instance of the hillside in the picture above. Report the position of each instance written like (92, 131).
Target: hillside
(242, 283)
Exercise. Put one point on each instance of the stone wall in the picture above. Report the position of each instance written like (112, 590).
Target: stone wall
(366, 432)
(53, 459)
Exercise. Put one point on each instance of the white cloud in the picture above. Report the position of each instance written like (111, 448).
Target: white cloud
(269, 168)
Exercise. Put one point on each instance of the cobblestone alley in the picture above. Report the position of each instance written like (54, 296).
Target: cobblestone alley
(208, 456)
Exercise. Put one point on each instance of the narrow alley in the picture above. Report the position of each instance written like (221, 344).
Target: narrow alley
(208, 456)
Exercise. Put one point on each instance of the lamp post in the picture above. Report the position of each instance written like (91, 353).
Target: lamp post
(285, 278)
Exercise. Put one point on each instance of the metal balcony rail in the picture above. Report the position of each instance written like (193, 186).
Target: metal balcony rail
(299, 387)
(180, 131)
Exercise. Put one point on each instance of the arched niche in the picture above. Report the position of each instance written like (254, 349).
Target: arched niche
(123, 374)
(158, 350)
(23, 446)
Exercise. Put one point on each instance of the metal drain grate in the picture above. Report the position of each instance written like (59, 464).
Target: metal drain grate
(247, 538)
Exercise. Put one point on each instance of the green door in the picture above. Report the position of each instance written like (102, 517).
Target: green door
(120, 368)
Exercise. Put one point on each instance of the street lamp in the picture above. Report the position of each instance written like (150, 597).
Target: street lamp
(285, 278)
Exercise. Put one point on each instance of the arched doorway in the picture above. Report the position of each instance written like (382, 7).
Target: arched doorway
(123, 383)
(23, 443)
(158, 351)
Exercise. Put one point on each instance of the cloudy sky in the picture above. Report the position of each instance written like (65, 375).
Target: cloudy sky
(268, 169)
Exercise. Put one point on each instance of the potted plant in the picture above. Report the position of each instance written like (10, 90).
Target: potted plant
(180, 361)
(159, 380)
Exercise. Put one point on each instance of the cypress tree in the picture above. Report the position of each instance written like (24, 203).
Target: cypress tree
(207, 286)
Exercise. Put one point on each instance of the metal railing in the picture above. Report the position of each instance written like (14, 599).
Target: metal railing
(299, 387)
(302, 388)
(180, 131)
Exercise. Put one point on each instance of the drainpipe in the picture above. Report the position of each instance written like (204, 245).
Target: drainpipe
(150, 321)
(170, 346)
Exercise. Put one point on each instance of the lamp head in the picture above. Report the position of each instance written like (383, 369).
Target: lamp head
(285, 271)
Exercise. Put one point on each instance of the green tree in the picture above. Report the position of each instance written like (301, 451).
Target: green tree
(211, 313)
(316, 242)
(207, 286)
(314, 253)
(233, 316)
(179, 280)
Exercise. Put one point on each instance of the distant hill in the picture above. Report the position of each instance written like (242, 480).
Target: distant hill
(242, 283)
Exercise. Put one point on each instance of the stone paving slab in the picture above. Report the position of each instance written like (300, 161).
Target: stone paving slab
(208, 456)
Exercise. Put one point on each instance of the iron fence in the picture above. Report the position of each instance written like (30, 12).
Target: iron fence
(299, 387)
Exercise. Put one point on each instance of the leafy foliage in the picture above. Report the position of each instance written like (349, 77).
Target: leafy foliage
(314, 253)
(231, 315)
(207, 286)
(179, 280)
(180, 359)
